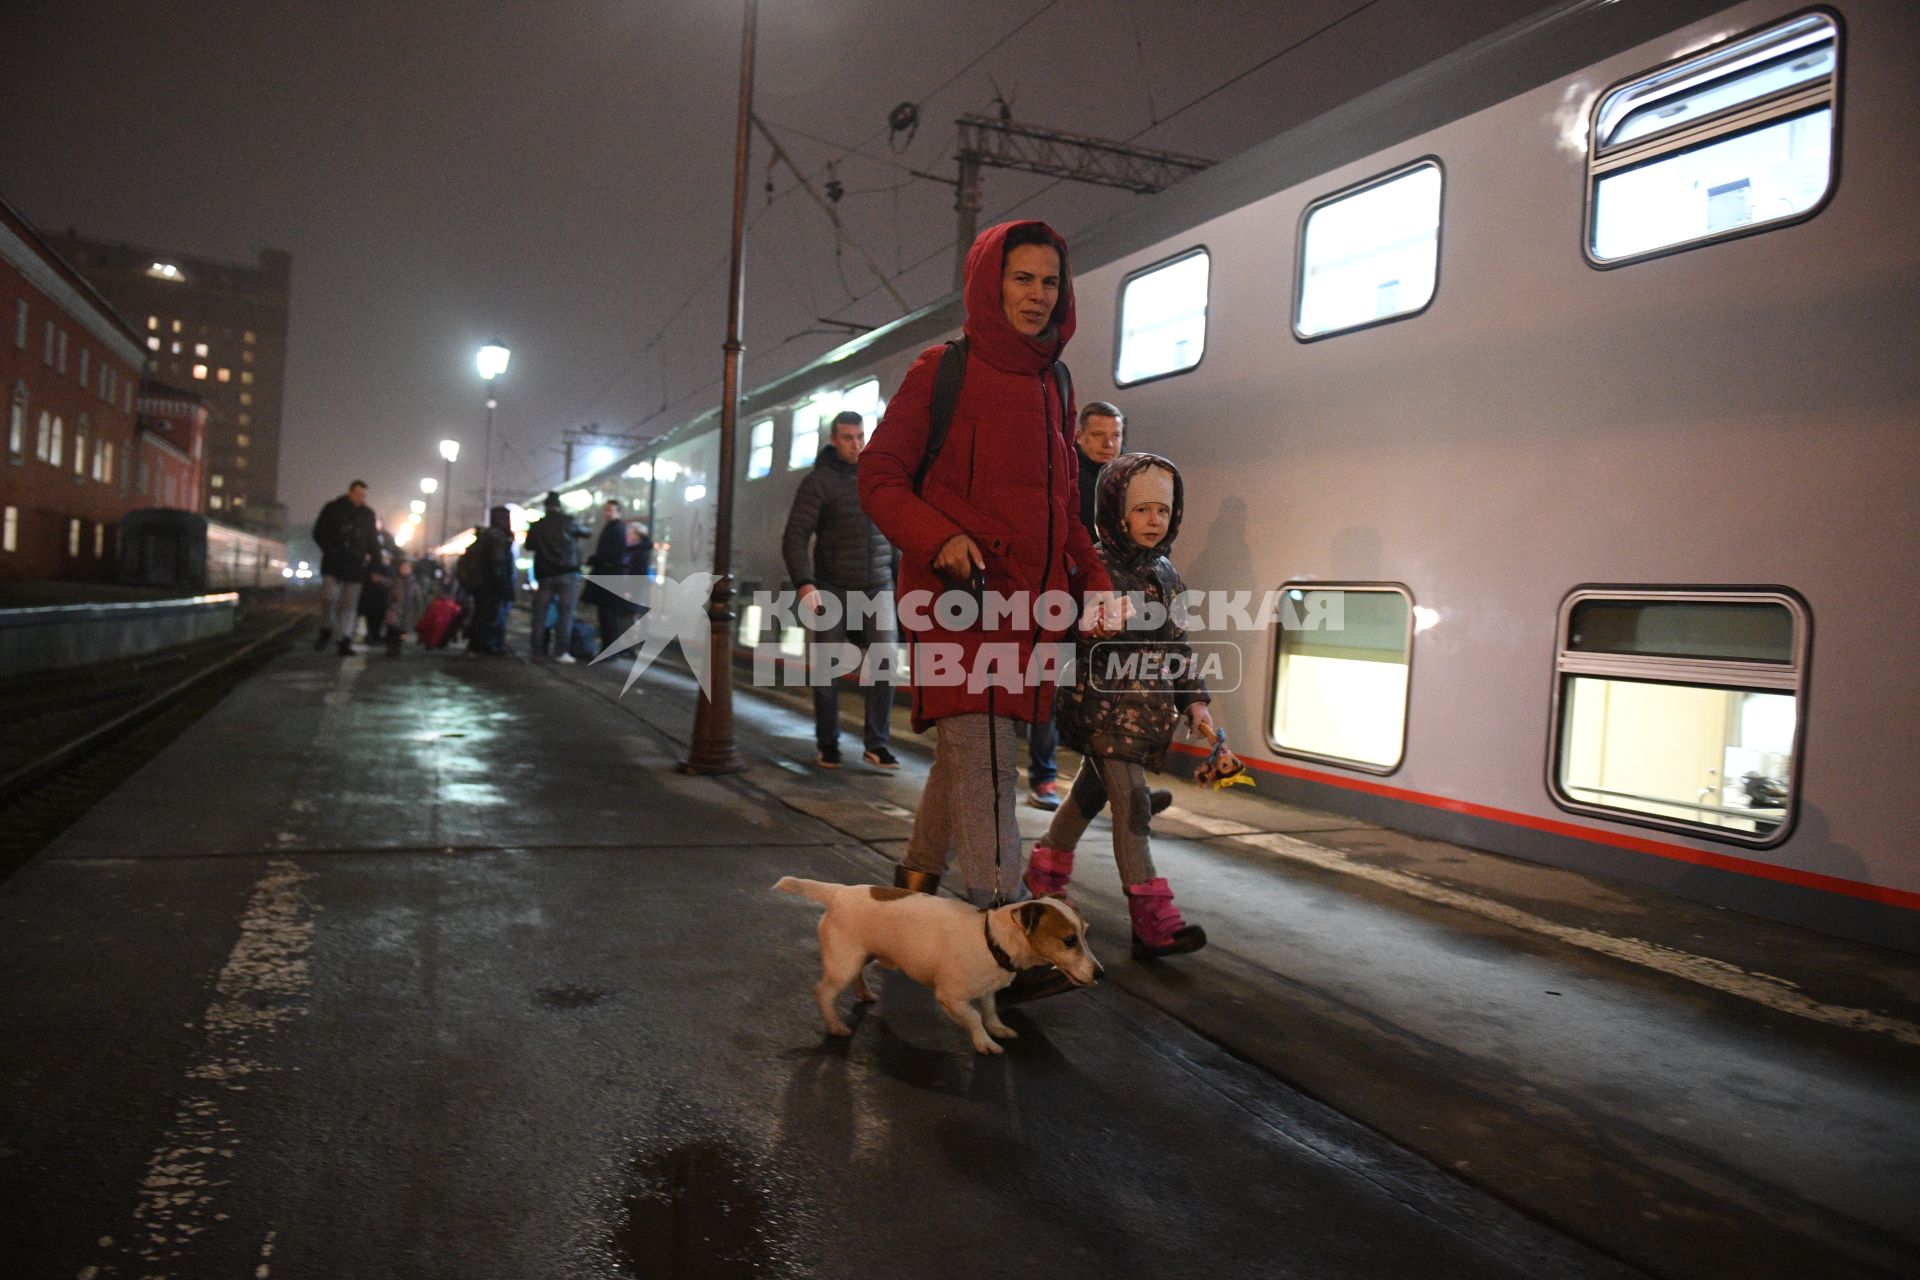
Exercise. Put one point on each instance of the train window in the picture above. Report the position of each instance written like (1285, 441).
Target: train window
(1370, 253)
(1716, 145)
(1163, 319)
(1680, 709)
(1340, 674)
(805, 445)
(760, 450)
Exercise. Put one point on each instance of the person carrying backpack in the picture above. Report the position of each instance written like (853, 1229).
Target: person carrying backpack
(991, 505)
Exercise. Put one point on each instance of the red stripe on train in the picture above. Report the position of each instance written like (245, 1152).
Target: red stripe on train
(1594, 835)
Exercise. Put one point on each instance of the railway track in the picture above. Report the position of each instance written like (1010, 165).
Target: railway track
(72, 737)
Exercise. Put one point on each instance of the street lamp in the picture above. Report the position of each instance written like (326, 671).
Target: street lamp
(449, 449)
(492, 362)
(712, 750)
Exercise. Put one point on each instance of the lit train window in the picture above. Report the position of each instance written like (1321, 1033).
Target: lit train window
(805, 445)
(1680, 709)
(1340, 675)
(1719, 144)
(760, 450)
(1163, 319)
(1370, 253)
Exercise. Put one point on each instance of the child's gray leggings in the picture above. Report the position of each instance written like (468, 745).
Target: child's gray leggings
(1124, 785)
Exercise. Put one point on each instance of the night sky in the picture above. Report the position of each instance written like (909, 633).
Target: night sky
(558, 173)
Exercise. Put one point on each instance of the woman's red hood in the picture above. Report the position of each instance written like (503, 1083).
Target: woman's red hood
(989, 335)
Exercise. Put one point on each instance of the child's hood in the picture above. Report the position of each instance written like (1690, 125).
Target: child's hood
(1110, 511)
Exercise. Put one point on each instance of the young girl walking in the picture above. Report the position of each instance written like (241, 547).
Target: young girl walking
(1123, 708)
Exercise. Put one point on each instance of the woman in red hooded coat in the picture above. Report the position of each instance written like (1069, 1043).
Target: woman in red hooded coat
(1000, 501)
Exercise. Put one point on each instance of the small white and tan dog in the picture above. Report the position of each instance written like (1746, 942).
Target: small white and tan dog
(964, 954)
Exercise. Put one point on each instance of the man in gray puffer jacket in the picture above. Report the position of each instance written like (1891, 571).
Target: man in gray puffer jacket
(849, 556)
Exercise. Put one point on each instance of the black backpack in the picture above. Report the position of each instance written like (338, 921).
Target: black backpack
(946, 394)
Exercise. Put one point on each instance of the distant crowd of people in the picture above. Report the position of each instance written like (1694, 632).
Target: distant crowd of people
(365, 576)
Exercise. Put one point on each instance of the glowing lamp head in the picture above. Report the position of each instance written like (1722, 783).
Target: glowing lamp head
(450, 450)
(493, 360)
(428, 485)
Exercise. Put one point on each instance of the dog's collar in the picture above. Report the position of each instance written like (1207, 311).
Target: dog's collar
(1000, 956)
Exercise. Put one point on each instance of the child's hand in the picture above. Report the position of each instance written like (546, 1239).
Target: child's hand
(1105, 613)
(1200, 721)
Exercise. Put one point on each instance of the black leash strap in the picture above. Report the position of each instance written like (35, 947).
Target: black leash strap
(999, 953)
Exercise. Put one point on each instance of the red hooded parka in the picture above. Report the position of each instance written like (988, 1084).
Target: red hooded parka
(1007, 476)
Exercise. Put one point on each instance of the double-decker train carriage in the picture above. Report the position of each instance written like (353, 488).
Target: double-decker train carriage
(1578, 370)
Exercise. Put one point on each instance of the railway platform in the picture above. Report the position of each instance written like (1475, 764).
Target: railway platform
(433, 966)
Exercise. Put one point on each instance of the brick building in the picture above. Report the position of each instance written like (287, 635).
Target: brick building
(70, 370)
(220, 329)
(170, 448)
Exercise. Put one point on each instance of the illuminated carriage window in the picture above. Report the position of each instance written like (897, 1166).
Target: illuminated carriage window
(760, 450)
(1340, 679)
(1370, 253)
(1681, 709)
(1735, 138)
(811, 419)
(1163, 319)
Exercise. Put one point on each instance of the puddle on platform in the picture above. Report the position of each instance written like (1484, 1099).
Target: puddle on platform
(697, 1212)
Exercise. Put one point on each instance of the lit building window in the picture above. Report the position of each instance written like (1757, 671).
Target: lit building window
(54, 451)
(246, 378)
(41, 441)
(218, 482)
(216, 502)
(242, 441)
(73, 537)
(247, 336)
(175, 349)
(10, 531)
(240, 462)
(17, 421)
(239, 500)
(760, 450)
(246, 357)
(246, 397)
(106, 463)
(246, 419)
(200, 372)
(99, 539)
(176, 329)
(153, 322)
(200, 349)
(225, 375)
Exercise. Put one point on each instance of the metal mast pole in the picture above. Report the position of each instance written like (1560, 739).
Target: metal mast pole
(486, 513)
(712, 749)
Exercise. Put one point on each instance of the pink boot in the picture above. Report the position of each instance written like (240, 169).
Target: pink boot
(1158, 929)
(1049, 870)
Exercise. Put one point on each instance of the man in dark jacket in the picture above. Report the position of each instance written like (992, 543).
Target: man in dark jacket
(347, 533)
(493, 588)
(1096, 442)
(609, 558)
(850, 558)
(554, 539)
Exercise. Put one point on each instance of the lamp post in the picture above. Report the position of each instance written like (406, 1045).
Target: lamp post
(492, 362)
(712, 750)
(449, 449)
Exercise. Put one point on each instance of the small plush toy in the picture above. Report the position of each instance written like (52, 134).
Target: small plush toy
(1222, 768)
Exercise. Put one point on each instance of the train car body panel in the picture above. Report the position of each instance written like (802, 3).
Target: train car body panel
(1740, 414)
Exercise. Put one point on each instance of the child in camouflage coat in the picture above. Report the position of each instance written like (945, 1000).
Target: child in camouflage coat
(1128, 697)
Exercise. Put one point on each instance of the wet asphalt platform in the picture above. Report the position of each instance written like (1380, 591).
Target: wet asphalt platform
(435, 967)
